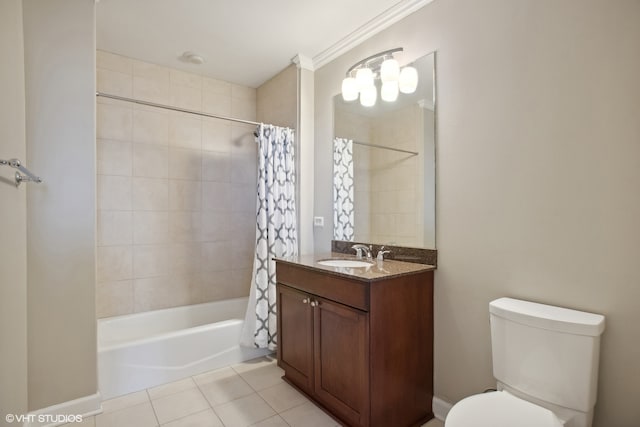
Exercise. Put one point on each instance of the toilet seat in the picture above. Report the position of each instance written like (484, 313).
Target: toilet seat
(499, 409)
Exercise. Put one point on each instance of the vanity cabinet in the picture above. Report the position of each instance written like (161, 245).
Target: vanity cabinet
(361, 349)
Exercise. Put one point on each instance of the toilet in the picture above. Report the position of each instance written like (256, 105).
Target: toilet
(545, 361)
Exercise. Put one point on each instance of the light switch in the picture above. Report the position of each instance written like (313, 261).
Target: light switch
(318, 221)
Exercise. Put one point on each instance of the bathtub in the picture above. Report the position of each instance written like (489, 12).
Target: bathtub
(143, 350)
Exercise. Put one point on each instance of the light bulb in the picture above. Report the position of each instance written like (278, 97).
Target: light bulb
(349, 89)
(364, 78)
(389, 70)
(389, 91)
(408, 80)
(368, 96)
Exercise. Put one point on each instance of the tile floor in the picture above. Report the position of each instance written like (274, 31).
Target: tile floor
(248, 394)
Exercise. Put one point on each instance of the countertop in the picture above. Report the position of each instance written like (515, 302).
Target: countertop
(378, 270)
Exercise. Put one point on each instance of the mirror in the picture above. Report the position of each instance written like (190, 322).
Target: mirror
(384, 166)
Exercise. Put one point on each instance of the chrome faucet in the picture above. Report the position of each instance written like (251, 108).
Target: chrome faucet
(381, 253)
(359, 248)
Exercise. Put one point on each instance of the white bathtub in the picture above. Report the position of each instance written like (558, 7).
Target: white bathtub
(139, 351)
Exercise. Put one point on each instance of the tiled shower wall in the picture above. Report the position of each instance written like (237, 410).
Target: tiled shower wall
(389, 186)
(176, 191)
(397, 179)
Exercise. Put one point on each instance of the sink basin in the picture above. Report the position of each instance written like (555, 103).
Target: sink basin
(344, 263)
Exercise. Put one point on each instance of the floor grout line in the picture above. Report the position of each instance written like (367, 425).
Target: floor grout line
(152, 407)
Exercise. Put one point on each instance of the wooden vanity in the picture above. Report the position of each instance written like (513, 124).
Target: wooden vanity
(359, 342)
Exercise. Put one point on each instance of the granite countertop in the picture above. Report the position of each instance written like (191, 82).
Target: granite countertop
(378, 271)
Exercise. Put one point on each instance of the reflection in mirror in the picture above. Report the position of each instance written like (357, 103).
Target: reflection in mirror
(384, 167)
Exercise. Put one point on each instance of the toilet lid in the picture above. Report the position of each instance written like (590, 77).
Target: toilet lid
(499, 409)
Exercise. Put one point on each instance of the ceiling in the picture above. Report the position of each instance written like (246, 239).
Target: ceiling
(243, 41)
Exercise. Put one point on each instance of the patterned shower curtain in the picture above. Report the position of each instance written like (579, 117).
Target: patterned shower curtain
(343, 216)
(276, 231)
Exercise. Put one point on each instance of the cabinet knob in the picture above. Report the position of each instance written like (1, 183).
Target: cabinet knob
(314, 303)
(305, 301)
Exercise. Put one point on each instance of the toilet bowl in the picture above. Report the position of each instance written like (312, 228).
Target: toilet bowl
(500, 409)
(545, 361)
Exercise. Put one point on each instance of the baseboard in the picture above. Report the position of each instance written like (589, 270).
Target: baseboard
(441, 408)
(64, 412)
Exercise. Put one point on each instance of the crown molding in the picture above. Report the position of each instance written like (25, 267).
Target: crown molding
(377, 24)
(303, 61)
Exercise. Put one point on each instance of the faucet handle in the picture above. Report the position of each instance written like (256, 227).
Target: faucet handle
(381, 253)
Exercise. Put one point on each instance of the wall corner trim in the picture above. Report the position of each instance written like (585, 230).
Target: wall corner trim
(85, 406)
(303, 61)
(377, 24)
(441, 408)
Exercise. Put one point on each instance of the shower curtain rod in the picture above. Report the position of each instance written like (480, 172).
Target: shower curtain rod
(413, 153)
(167, 107)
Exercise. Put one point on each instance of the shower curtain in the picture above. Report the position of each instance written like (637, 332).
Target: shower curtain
(343, 216)
(276, 231)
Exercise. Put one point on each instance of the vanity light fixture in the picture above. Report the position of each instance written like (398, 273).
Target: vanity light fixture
(361, 77)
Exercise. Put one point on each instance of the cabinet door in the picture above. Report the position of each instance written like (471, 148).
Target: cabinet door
(341, 360)
(295, 336)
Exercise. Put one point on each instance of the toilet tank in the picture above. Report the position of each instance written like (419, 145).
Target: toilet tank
(550, 353)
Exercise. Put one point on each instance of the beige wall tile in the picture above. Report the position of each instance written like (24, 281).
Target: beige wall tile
(240, 282)
(213, 286)
(216, 196)
(185, 258)
(114, 228)
(114, 263)
(185, 97)
(114, 157)
(185, 131)
(114, 122)
(215, 103)
(150, 227)
(243, 109)
(244, 168)
(114, 192)
(150, 161)
(217, 87)
(114, 83)
(216, 256)
(177, 77)
(150, 261)
(243, 92)
(243, 197)
(113, 62)
(243, 139)
(165, 188)
(162, 292)
(185, 195)
(216, 226)
(216, 135)
(150, 82)
(151, 126)
(114, 298)
(243, 225)
(185, 164)
(216, 166)
(242, 253)
(150, 194)
(185, 227)
(153, 293)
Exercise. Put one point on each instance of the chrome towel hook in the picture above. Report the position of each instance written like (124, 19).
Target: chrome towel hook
(20, 178)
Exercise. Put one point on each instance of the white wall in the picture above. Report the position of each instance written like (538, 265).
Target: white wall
(59, 40)
(13, 224)
(537, 175)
